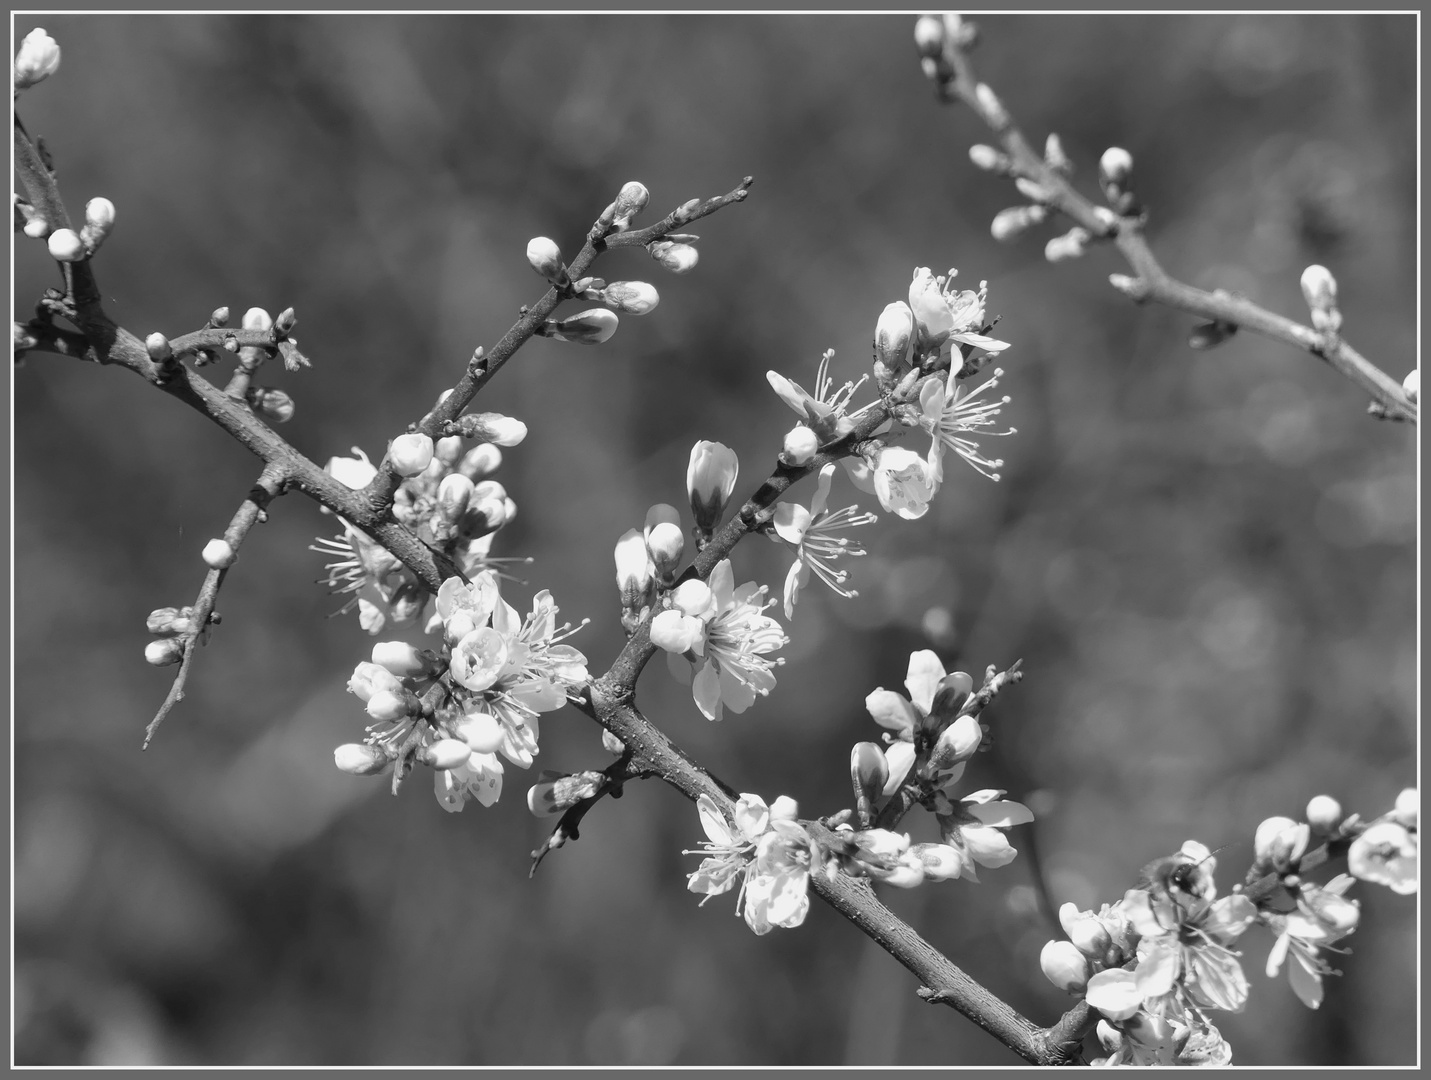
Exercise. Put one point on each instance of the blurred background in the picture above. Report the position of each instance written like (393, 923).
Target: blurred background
(1206, 561)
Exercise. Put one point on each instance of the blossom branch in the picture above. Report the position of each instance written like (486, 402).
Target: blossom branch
(953, 74)
(201, 615)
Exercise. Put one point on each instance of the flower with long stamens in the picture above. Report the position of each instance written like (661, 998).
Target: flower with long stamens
(947, 317)
(814, 535)
(824, 410)
(951, 412)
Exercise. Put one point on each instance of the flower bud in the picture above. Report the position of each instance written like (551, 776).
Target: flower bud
(957, 743)
(168, 620)
(929, 35)
(633, 570)
(164, 651)
(270, 403)
(1279, 842)
(1068, 246)
(256, 318)
(410, 454)
(1324, 813)
(545, 258)
(632, 297)
(98, 221)
(869, 772)
(1320, 290)
(360, 759)
(631, 200)
(1085, 930)
(37, 227)
(710, 479)
(37, 60)
(392, 704)
(800, 447)
(401, 659)
(995, 115)
(677, 258)
(482, 732)
(784, 808)
(1130, 287)
(1210, 335)
(666, 544)
(893, 334)
(448, 450)
(1407, 808)
(453, 496)
(1054, 156)
(1411, 385)
(368, 679)
(480, 461)
(446, 754)
(989, 159)
(219, 317)
(1008, 224)
(1065, 966)
(220, 554)
(66, 246)
(1339, 914)
(1115, 166)
(659, 513)
(590, 327)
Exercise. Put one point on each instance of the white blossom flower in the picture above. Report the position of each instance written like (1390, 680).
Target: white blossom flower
(950, 412)
(1386, 853)
(766, 850)
(1322, 917)
(947, 317)
(824, 410)
(903, 481)
(812, 533)
(972, 827)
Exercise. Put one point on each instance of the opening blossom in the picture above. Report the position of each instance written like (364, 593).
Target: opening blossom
(767, 850)
(1387, 853)
(824, 410)
(812, 533)
(947, 317)
(725, 634)
(904, 715)
(902, 480)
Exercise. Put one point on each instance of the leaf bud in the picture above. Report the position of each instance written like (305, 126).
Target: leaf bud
(1054, 156)
(989, 159)
(800, 447)
(545, 258)
(22, 338)
(1210, 335)
(164, 651)
(270, 403)
(66, 246)
(995, 115)
(445, 754)
(37, 60)
(1068, 246)
(286, 321)
(632, 297)
(590, 327)
(1009, 223)
(360, 759)
(220, 554)
(1324, 813)
(1130, 287)
(1065, 966)
(482, 460)
(411, 453)
(677, 258)
(557, 792)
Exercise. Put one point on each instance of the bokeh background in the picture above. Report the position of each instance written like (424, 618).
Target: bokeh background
(1207, 562)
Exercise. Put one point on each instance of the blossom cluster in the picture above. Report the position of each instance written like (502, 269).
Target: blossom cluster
(446, 498)
(1154, 962)
(455, 709)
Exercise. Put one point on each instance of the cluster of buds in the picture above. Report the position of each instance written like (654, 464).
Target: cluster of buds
(647, 559)
(175, 626)
(456, 708)
(1320, 290)
(446, 498)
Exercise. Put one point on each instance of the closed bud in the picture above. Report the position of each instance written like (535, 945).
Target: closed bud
(784, 808)
(631, 200)
(1210, 335)
(453, 496)
(390, 705)
(995, 115)
(157, 345)
(869, 772)
(665, 543)
(1009, 223)
(401, 659)
(256, 318)
(677, 258)
(929, 35)
(1068, 246)
(286, 321)
(164, 651)
(633, 570)
(988, 158)
(448, 450)
(219, 317)
(1324, 813)
(1411, 386)
(98, 221)
(21, 337)
(800, 447)
(37, 60)
(66, 246)
(1408, 807)
(710, 479)
(1115, 166)
(1278, 843)
(1065, 966)
(545, 258)
(556, 792)
(1054, 157)
(1320, 290)
(410, 454)
(659, 513)
(957, 743)
(168, 620)
(480, 461)
(1086, 931)
(632, 297)
(368, 679)
(36, 227)
(590, 327)
(220, 554)
(893, 334)
(270, 403)
(1130, 287)
(360, 759)
(446, 754)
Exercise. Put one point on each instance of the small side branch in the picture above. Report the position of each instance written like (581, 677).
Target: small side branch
(252, 511)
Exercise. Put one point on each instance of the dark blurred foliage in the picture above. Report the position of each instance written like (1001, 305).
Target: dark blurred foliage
(1205, 561)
